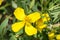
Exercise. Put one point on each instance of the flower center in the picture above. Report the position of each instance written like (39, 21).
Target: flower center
(27, 19)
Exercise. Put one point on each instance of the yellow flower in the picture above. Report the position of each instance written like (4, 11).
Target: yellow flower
(1, 2)
(51, 35)
(26, 21)
(40, 24)
(46, 17)
(58, 37)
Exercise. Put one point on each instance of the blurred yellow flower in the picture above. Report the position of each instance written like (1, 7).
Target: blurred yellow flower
(40, 24)
(1, 2)
(51, 35)
(46, 17)
(58, 37)
(26, 21)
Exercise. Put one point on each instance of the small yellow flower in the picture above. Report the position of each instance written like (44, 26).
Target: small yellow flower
(46, 17)
(40, 25)
(51, 35)
(26, 21)
(58, 37)
(1, 2)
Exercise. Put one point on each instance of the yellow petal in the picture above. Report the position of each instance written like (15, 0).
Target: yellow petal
(58, 37)
(51, 35)
(40, 25)
(46, 17)
(19, 13)
(34, 16)
(30, 30)
(39, 22)
(17, 26)
(46, 14)
(1, 2)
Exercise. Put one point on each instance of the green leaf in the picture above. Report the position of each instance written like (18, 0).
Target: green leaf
(55, 14)
(32, 3)
(19, 38)
(54, 7)
(3, 25)
(13, 38)
(20, 32)
(34, 8)
(19, 3)
(45, 35)
(14, 5)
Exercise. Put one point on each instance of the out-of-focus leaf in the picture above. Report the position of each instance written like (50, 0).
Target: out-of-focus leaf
(45, 36)
(19, 3)
(3, 7)
(21, 38)
(32, 3)
(13, 38)
(52, 3)
(14, 5)
(55, 13)
(20, 32)
(3, 25)
(34, 8)
(54, 7)
(0, 16)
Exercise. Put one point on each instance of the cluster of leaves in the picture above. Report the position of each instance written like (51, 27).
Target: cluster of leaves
(6, 17)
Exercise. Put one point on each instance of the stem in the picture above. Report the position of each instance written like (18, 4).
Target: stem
(3, 7)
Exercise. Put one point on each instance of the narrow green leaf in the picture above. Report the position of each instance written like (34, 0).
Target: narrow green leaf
(20, 32)
(14, 5)
(3, 25)
(13, 38)
(32, 3)
(55, 14)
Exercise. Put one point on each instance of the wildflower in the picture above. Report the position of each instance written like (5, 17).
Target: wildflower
(46, 17)
(51, 36)
(40, 25)
(1, 2)
(26, 21)
(58, 37)
(41, 22)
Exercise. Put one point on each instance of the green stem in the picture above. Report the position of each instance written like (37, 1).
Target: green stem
(3, 7)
